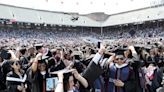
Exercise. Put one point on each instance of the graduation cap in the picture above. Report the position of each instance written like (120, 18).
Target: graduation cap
(38, 46)
(12, 62)
(93, 51)
(43, 59)
(109, 48)
(148, 43)
(22, 50)
(119, 51)
(115, 46)
(148, 48)
(5, 54)
(76, 54)
(125, 46)
(150, 60)
(58, 48)
(139, 48)
(160, 44)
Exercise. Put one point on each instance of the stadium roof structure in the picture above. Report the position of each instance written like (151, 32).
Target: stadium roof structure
(93, 13)
(84, 6)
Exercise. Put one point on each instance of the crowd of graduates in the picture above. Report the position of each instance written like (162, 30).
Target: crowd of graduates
(126, 59)
(83, 68)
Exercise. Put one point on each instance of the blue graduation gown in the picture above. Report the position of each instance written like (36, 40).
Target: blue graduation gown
(123, 73)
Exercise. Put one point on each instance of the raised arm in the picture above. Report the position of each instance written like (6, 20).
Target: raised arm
(35, 62)
(82, 80)
(134, 53)
(60, 86)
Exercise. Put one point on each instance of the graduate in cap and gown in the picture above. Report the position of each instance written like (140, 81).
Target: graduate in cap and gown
(2, 86)
(8, 57)
(94, 71)
(43, 50)
(133, 55)
(16, 80)
(23, 58)
(38, 73)
(56, 63)
(153, 75)
(66, 81)
(121, 75)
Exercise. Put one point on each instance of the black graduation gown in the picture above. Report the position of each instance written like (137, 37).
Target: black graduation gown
(139, 76)
(6, 68)
(156, 81)
(49, 53)
(36, 80)
(24, 62)
(13, 80)
(2, 84)
(57, 66)
(79, 66)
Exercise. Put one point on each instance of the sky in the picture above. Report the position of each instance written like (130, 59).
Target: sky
(83, 6)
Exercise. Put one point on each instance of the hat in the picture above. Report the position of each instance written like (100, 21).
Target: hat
(150, 60)
(43, 59)
(5, 54)
(93, 51)
(38, 46)
(148, 48)
(76, 53)
(119, 51)
(22, 50)
(139, 48)
(124, 46)
(58, 48)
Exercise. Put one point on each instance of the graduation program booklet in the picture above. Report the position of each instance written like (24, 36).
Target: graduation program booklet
(51, 83)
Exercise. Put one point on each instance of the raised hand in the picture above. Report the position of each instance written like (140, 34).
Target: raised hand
(76, 74)
(102, 48)
(39, 55)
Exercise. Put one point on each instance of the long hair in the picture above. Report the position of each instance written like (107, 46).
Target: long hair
(66, 81)
(12, 69)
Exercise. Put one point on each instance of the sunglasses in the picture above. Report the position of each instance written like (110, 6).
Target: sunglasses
(16, 63)
(119, 58)
(41, 65)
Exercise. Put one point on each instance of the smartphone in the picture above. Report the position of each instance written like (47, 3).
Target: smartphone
(98, 44)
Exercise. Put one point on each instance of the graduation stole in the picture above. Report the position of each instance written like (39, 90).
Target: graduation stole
(150, 72)
(23, 79)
